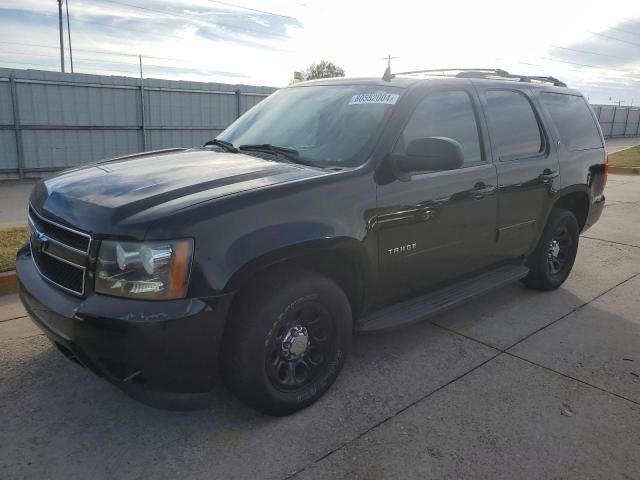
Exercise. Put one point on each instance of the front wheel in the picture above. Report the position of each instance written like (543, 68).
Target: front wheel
(552, 260)
(287, 342)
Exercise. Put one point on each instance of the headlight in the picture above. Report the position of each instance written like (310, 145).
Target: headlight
(145, 270)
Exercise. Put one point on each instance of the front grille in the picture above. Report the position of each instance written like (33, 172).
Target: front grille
(59, 272)
(67, 236)
(59, 253)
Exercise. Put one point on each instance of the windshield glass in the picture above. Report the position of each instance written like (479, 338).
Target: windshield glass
(334, 125)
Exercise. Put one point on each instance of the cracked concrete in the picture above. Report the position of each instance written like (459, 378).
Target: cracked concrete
(518, 384)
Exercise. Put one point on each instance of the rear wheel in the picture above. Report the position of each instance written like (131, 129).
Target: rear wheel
(288, 342)
(552, 260)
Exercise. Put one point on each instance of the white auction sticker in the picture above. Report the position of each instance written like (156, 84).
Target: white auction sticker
(378, 97)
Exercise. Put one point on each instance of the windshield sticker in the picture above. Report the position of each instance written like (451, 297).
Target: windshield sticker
(379, 97)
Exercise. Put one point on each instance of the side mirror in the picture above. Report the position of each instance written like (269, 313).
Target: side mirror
(427, 154)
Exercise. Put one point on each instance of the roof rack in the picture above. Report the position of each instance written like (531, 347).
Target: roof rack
(486, 73)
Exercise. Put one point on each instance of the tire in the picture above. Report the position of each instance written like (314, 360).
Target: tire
(267, 361)
(552, 260)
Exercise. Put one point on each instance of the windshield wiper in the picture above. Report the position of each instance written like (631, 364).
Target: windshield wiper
(289, 153)
(226, 146)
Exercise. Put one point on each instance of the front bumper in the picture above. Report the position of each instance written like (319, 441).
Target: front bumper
(163, 353)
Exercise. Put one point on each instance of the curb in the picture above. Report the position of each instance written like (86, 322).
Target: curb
(8, 283)
(625, 170)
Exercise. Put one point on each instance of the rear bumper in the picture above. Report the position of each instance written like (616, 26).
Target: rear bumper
(595, 210)
(163, 353)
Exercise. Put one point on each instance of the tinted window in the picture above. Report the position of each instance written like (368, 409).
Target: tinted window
(574, 121)
(514, 128)
(326, 124)
(447, 114)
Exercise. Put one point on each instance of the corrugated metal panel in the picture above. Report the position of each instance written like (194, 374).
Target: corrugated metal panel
(632, 122)
(71, 119)
(606, 114)
(8, 153)
(6, 107)
(55, 149)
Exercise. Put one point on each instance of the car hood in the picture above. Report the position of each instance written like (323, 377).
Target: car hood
(99, 197)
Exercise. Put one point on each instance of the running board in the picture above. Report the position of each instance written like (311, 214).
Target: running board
(425, 306)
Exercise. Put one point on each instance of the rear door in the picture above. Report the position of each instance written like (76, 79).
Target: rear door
(580, 143)
(439, 225)
(527, 165)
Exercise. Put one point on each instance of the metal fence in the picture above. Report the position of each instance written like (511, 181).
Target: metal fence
(618, 121)
(51, 121)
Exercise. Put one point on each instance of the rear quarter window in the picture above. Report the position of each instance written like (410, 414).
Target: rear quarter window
(573, 119)
(513, 125)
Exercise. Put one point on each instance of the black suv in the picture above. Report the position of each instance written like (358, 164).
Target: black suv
(331, 207)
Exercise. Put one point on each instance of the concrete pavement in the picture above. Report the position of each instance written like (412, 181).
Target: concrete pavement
(518, 384)
(616, 144)
(14, 198)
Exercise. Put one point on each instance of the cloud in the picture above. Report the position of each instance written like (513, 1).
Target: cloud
(192, 39)
(206, 41)
(617, 46)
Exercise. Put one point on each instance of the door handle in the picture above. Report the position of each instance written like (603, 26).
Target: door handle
(547, 175)
(481, 189)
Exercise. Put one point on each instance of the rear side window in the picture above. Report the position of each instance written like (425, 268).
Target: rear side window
(514, 126)
(573, 119)
(446, 114)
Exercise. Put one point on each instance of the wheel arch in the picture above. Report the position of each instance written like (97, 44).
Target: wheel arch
(577, 201)
(342, 259)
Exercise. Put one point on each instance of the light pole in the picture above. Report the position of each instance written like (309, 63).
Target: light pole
(61, 36)
(66, 4)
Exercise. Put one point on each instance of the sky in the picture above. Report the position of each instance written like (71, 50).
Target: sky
(592, 46)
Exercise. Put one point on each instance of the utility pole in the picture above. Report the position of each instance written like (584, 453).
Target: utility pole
(387, 73)
(69, 34)
(140, 58)
(388, 58)
(61, 36)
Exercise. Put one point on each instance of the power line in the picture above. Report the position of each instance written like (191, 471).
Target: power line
(600, 67)
(623, 22)
(614, 38)
(592, 53)
(47, 65)
(103, 52)
(127, 73)
(35, 64)
(253, 9)
(91, 60)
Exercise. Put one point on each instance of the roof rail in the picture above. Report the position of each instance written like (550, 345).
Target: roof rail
(486, 73)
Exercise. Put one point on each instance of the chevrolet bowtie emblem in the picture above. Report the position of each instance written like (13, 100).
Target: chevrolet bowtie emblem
(39, 241)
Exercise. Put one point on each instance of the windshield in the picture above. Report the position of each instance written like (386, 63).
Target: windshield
(334, 125)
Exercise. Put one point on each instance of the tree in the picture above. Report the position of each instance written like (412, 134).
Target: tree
(324, 69)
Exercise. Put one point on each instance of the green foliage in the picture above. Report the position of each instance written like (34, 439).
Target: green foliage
(323, 69)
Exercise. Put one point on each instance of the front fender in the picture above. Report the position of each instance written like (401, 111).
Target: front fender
(273, 245)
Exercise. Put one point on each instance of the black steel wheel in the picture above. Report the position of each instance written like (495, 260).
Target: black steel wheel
(552, 260)
(299, 346)
(287, 341)
(559, 251)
